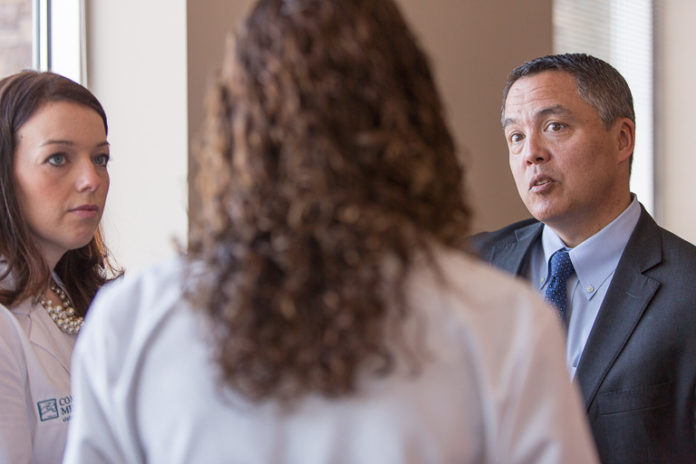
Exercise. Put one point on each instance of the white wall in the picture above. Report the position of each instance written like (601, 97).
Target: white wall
(137, 67)
(149, 62)
(675, 75)
(472, 44)
(210, 24)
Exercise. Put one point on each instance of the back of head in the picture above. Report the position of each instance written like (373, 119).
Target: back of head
(599, 83)
(326, 150)
(21, 95)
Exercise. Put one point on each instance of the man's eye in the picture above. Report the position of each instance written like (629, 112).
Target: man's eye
(555, 126)
(516, 137)
(57, 159)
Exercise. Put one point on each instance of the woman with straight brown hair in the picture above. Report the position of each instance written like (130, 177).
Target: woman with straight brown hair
(328, 312)
(53, 185)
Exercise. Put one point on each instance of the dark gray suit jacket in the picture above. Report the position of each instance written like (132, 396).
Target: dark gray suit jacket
(638, 370)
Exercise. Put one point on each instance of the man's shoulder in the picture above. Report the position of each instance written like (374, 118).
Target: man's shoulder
(483, 241)
(674, 248)
(677, 250)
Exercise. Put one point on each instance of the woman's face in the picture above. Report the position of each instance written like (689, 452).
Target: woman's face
(60, 174)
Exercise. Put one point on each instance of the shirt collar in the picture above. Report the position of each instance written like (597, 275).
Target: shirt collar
(596, 258)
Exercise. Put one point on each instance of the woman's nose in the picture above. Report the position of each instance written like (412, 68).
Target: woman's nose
(89, 177)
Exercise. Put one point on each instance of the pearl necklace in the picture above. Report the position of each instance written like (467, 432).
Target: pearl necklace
(64, 315)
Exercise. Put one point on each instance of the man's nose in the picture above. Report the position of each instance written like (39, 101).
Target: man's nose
(535, 150)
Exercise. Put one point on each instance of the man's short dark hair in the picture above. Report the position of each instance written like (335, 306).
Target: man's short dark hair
(599, 83)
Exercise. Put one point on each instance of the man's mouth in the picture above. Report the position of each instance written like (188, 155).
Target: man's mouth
(540, 182)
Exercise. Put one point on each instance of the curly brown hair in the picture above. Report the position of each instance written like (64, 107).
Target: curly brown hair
(325, 153)
(84, 270)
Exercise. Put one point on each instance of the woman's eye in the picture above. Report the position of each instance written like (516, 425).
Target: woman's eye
(101, 160)
(57, 159)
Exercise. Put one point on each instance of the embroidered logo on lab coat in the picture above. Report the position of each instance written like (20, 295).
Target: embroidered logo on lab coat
(48, 409)
(53, 408)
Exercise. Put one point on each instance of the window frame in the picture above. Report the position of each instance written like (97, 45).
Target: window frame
(60, 38)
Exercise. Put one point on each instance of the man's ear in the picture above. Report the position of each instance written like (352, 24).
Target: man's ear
(626, 138)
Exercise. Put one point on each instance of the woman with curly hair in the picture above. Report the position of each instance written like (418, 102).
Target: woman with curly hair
(53, 184)
(327, 311)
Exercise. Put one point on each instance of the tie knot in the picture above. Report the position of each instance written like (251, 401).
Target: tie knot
(561, 266)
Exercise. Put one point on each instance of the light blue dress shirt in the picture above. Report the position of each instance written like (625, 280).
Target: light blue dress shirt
(595, 261)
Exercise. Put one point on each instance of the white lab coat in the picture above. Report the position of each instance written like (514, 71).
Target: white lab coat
(494, 388)
(35, 400)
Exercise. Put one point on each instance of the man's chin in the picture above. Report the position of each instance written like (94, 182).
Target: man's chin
(547, 215)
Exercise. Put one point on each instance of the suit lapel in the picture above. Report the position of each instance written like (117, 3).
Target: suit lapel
(509, 255)
(629, 294)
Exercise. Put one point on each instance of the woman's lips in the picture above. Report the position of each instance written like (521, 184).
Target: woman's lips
(86, 211)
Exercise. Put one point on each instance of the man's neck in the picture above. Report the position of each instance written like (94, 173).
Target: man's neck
(574, 231)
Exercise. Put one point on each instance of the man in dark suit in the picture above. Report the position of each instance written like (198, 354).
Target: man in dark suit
(625, 287)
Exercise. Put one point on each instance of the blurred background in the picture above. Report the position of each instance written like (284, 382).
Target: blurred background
(150, 62)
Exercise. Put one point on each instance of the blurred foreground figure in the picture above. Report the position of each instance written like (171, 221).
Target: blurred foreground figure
(327, 312)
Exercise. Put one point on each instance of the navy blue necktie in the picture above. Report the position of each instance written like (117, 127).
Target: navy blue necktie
(556, 292)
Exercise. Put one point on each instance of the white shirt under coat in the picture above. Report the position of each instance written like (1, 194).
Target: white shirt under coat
(495, 390)
(594, 261)
(35, 400)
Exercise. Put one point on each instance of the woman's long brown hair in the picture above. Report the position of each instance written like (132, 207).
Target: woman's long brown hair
(325, 152)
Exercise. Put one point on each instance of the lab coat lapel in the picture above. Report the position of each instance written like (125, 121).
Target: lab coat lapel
(626, 300)
(41, 340)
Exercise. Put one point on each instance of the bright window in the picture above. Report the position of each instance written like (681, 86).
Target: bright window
(621, 33)
(59, 34)
(42, 34)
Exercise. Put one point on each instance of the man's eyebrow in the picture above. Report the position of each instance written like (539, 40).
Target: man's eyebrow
(555, 109)
(551, 110)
